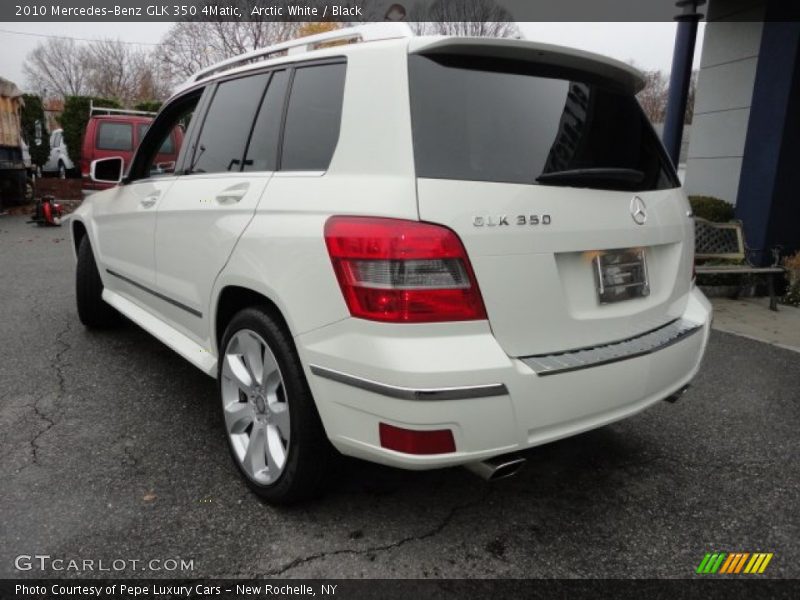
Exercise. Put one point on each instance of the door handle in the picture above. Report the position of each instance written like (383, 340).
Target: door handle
(233, 194)
(148, 201)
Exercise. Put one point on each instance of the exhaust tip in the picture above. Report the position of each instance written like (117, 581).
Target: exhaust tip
(677, 395)
(500, 467)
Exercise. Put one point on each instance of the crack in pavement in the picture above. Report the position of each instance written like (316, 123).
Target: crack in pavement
(58, 365)
(448, 518)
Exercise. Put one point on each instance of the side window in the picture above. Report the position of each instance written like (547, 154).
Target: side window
(168, 147)
(153, 137)
(227, 124)
(114, 136)
(262, 151)
(312, 121)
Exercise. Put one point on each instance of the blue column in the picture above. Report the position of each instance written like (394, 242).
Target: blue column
(680, 76)
(768, 201)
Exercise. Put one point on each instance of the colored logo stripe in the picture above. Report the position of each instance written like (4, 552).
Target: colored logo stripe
(711, 562)
(758, 563)
(734, 563)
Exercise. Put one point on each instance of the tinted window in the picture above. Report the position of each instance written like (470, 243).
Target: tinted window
(502, 122)
(168, 147)
(227, 125)
(312, 120)
(162, 132)
(115, 136)
(262, 152)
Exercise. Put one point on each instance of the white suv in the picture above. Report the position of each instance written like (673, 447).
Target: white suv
(422, 251)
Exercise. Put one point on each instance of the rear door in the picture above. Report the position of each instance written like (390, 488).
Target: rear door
(208, 207)
(571, 214)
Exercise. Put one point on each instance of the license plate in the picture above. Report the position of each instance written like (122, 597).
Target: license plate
(621, 275)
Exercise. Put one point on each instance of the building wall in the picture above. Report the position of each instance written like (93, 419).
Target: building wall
(724, 95)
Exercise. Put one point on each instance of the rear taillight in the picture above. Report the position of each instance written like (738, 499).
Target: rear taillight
(413, 441)
(402, 271)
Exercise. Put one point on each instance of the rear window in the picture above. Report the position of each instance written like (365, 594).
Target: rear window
(168, 147)
(311, 131)
(505, 122)
(114, 136)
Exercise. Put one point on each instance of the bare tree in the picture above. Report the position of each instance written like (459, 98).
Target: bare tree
(107, 68)
(653, 96)
(484, 18)
(117, 70)
(59, 66)
(191, 45)
(690, 99)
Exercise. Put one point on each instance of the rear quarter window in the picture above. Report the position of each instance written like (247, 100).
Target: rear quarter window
(114, 136)
(311, 131)
(503, 121)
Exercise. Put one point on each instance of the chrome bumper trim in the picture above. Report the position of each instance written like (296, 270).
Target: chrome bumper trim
(585, 358)
(393, 391)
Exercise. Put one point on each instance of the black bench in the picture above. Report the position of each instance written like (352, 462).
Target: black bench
(726, 241)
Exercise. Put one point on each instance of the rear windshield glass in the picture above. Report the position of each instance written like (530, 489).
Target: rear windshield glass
(505, 122)
(115, 136)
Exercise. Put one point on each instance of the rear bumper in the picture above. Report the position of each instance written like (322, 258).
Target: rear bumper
(456, 376)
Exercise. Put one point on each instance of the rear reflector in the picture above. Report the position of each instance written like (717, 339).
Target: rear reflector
(402, 271)
(409, 441)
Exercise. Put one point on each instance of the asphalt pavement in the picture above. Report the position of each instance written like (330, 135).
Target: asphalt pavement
(112, 449)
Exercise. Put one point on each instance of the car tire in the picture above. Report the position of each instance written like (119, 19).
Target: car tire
(285, 457)
(93, 311)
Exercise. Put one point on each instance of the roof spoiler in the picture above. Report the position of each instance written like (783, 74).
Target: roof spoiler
(548, 55)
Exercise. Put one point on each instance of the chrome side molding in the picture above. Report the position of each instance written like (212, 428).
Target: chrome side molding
(404, 393)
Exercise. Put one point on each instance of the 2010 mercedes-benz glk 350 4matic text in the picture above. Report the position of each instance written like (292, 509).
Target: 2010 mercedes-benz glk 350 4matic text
(419, 251)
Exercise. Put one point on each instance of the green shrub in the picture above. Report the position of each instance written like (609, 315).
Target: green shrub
(792, 264)
(74, 119)
(711, 209)
(32, 112)
(148, 106)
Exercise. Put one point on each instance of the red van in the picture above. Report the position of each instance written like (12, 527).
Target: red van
(118, 134)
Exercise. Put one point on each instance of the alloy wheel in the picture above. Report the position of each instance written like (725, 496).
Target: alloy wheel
(255, 407)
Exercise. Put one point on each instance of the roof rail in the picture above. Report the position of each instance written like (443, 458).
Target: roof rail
(360, 33)
(117, 111)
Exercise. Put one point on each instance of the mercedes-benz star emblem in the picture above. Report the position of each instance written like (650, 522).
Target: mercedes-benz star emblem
(638, 211)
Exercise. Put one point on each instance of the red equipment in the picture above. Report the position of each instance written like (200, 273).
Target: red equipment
(47, 212)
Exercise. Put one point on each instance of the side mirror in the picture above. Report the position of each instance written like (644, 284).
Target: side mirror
(107, 170)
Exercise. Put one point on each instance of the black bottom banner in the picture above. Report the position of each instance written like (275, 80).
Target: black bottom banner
(405, 589)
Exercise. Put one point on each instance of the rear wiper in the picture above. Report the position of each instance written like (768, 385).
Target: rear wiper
(601, 174)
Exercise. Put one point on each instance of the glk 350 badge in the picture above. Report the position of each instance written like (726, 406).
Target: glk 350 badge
(505, 220)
